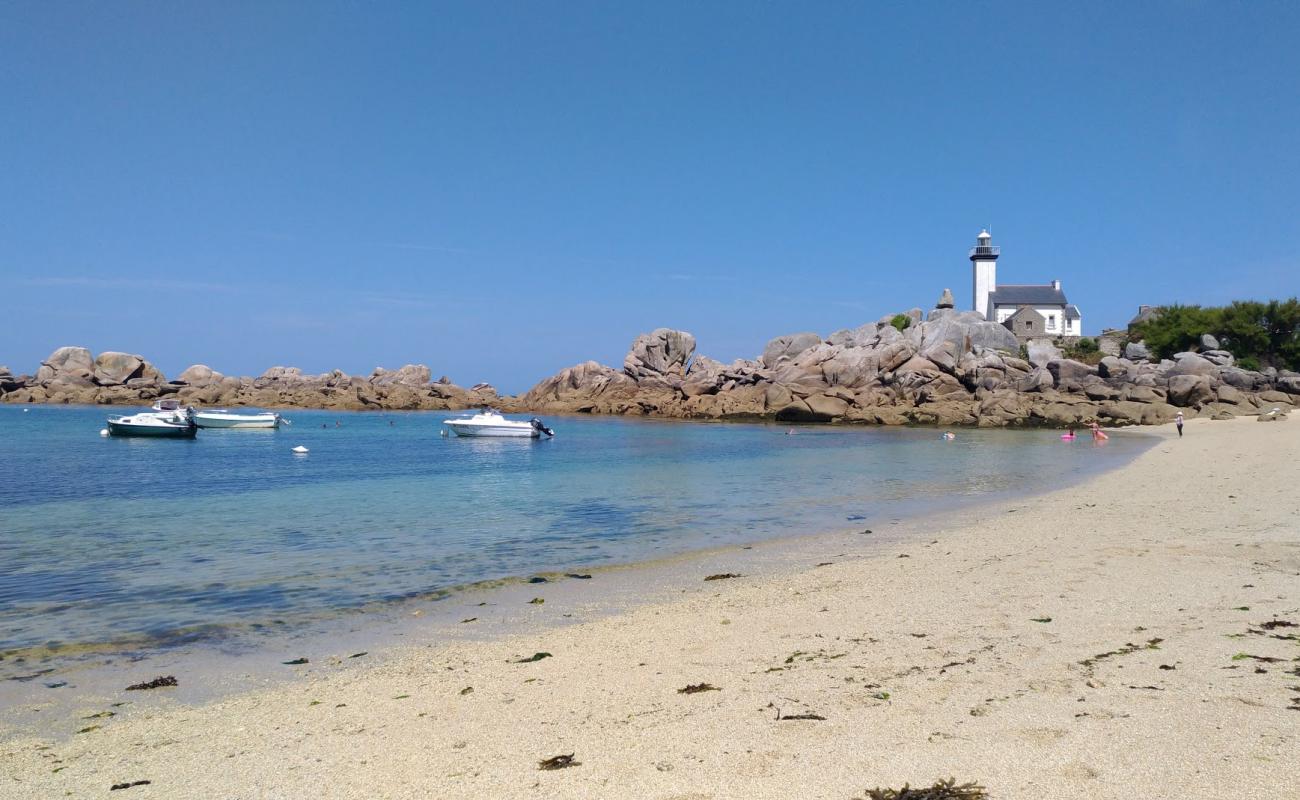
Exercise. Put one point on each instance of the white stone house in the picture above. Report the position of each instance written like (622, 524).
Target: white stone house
(1000, 303)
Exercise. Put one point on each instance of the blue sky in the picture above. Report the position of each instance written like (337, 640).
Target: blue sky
(499, 190)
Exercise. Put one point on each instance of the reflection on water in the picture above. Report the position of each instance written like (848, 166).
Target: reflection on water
(111, 540)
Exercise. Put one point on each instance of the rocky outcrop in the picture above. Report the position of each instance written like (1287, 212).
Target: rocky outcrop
(944, 368)
(73, 375)
(409, 375)
(662, 353)
(788, 347)
(952, 368)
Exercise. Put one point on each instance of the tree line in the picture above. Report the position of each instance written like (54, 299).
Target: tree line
(1258, 334)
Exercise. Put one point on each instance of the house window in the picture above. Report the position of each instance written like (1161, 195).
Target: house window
(1051, 322)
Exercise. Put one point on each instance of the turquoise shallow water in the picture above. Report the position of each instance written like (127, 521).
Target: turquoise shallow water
(153, 542)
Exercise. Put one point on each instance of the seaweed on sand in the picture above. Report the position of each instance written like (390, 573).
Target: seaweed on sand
(696, 688)
(532, 658)
(722, 576)
(1151, 644)
(156, 683)
(943, 790)
(558, 762)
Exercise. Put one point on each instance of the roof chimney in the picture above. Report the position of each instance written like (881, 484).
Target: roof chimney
(1056, 285)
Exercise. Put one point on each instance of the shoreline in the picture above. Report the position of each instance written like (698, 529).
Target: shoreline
(257, 649)
(1005, 710)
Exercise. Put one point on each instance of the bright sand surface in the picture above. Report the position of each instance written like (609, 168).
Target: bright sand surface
(1098, 642)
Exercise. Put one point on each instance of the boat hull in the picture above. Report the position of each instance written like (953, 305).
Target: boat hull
(154, 431)
(496, 431)
(206, 420)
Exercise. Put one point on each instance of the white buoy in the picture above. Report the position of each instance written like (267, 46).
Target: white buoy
(300, 450)
(25, 410)
(103, 431)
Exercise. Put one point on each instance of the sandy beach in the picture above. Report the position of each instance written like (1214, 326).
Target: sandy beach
(1118, 639)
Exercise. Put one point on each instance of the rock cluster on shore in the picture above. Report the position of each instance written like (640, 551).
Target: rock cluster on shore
(73, 375)
(947, 368)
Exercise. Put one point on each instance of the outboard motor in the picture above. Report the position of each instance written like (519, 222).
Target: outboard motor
(538, 426)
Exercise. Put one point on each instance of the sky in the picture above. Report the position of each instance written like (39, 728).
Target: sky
(501, 190)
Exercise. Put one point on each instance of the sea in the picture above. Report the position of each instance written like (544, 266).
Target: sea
(129, 545)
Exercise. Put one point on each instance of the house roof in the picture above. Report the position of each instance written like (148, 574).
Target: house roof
(1144, 313)
(1024, 313)
(1023, 294)
(1072, 312)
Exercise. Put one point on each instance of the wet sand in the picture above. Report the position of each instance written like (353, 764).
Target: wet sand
(1107, 640)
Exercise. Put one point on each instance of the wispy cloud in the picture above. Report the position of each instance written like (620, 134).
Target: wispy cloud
(148, 284)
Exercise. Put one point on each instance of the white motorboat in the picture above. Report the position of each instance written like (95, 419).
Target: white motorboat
(490, 423)
(221, 418)
(175, 424)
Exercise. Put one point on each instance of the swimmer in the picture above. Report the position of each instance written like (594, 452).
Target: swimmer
(948, 436)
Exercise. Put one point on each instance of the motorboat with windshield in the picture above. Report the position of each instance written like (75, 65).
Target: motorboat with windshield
(176, 423)
(489, 422)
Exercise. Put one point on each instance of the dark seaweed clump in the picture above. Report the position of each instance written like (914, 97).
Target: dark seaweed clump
(943, 790)
(156, 683)
(558, 762)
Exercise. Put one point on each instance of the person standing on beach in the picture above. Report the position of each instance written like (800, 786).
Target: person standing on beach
(1178, 423)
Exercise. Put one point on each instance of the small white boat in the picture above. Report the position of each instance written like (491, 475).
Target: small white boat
(490, 423)
(176, 424)
(222, 418)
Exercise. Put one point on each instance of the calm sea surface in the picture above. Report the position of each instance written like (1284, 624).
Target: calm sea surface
(108, 540)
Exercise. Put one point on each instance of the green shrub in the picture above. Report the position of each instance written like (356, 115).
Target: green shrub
(1258, 334)
(901, 321)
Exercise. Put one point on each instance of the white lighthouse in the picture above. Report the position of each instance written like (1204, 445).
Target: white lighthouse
(984, 268)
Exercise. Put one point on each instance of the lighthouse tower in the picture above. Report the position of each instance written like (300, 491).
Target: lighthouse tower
(984, 268)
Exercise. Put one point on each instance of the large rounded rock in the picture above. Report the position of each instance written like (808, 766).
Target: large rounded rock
(662, 352)
(580, 388)
(115, 369)
(1136, 351)
(414, 375)
(67, 361)
(1220, 358)
(1070, 375)
(199, 375)
(1190, 390)
(861, 336)
(1208, 342)
(704, 376)
(825, 406)
(1193, 364)
(1041, 352)
(788, 347)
